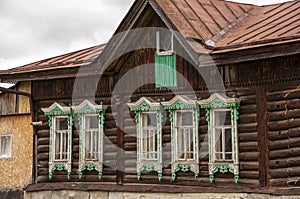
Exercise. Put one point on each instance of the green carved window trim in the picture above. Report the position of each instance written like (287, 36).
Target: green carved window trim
(59, 111)
(83, 110)
(218, 102)
(179, 103)
(91, 167)
(148, 106)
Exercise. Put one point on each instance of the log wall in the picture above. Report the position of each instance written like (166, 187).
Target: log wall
(283, 114)
(268, 140)
(248, 144)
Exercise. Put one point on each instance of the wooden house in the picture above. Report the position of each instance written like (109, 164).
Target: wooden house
(188, 99)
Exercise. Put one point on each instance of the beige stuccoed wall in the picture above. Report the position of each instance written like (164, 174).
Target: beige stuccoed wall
(126, 195)
(16, 172)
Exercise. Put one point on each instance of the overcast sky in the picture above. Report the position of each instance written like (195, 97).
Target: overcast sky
(32, 30)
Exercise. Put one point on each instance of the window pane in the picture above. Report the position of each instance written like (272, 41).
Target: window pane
(190, 143)
(149, 136)
(228, 144)
(91, 122)
(91, 145)
(91, 137)
(149, 143)
(218, 140)
(88, 144)
(222, 118)
(5, 146)
(61, 145)
(149, 120)
(218, 143)
(165, 41)
(180, 143)
(145, 144)
(185, 143)
(61, 124)
(58, 145)
(64, 145)
(184, 118)
(96, 145)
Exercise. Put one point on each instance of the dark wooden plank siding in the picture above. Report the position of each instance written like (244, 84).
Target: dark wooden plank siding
(110, 149)
(248, 149)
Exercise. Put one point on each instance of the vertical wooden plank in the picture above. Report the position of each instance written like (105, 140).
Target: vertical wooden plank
(120, 138)
(263, 149)
(1, 99)
(17, 103)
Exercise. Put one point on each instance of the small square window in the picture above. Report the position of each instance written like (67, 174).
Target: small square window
(5, 146)
(164, 42)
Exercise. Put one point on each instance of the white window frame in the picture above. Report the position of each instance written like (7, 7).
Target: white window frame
(83, 110)
(158, 50)
(214, 103)
(177, 141)
(148, 138)
(56, 111)
(142, 106)
(183, 104)
(222, 127)
(9, 155)
(65, 138)
(95, 130)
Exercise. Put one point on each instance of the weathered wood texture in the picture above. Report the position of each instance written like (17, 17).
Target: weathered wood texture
(248, 149)
(110, 149)
(281, 136)
(11, 103)
(263, 148)
(283, 106)
(131, 75)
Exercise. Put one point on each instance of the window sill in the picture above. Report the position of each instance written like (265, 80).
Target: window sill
(165, 53)
(6, 158)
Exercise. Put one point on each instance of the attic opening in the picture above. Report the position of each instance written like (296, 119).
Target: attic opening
(165, 60)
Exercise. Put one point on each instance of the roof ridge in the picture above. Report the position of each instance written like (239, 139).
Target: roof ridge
(230, 26)
(241, 3)
(238, 3)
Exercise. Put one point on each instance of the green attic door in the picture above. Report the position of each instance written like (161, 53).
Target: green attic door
(165, 60)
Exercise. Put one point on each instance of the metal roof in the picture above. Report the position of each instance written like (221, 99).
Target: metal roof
(202, 19)
(228, 25)
(70, 60)
(279, 22)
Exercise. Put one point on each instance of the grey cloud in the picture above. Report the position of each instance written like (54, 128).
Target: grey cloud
(33, 27)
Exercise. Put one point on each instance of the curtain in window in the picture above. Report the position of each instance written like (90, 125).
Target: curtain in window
(91, 137)
(149, 136)
(184, 126)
